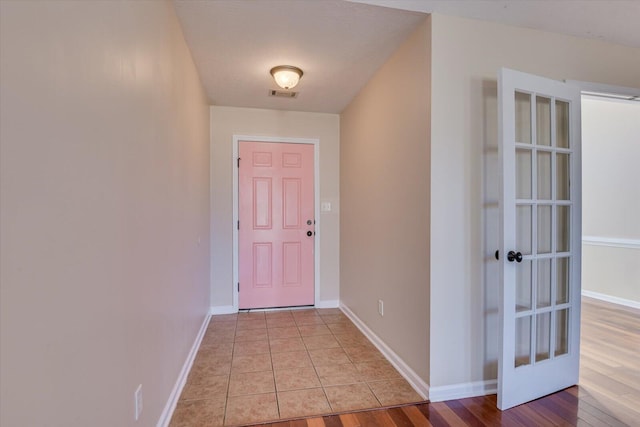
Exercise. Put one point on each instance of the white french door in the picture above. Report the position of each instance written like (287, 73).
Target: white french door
(540, 249)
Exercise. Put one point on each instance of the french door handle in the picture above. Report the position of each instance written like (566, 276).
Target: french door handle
(514, 256)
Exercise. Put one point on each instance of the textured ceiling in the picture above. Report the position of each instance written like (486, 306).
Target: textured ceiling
(340, 44)
(614, 21)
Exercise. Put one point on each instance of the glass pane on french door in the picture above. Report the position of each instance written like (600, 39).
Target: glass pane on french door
(543, 207)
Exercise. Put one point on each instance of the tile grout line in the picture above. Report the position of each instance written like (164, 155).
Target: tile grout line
(315, 368)
(273, 370)
(233, 352)
(342, 346)
(333, 332)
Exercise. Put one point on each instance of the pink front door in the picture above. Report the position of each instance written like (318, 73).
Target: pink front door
(276, 230)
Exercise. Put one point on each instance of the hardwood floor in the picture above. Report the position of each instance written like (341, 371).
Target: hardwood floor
(610, 358)
(608, 393)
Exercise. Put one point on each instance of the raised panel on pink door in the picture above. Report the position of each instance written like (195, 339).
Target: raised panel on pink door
(276, 205)
(262, 263)
(291, 203)
(291, 264)
(262, 203)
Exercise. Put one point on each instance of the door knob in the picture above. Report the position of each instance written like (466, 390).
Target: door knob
(309, 233)
(514, 256)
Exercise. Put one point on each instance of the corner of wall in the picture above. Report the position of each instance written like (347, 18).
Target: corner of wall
(385, 196)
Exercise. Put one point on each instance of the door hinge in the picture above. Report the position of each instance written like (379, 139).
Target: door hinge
(238, 161)
(238, 286)
(238, 225)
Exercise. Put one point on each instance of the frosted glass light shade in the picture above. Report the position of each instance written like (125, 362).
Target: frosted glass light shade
(286, 76)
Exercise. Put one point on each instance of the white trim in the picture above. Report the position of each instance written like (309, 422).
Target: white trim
(329, 303)
(463, 390)
(167, 412)
(611, 299)
(604, 88)
(418, 384)
(223, 309)
(316, 178)
(612, 242)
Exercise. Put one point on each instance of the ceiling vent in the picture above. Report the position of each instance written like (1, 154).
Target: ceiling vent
(283, 93)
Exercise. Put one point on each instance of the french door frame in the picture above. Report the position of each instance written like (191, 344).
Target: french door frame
(316, 201)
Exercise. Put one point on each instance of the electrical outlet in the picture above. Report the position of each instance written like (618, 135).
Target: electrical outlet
(137, 396)
(381, 307)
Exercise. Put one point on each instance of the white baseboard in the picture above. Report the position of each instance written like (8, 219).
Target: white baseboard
(330, 303)
(462, 391)
(418, 384)
(611, 299)
(222, 309)
(167, 413)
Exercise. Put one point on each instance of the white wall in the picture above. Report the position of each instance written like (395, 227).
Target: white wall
(466, 57)
(384, 187)
(229, 121)
(104, 206)
(611, 197)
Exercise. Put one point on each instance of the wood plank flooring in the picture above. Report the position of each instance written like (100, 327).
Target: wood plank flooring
(608, 393)
(610, 358)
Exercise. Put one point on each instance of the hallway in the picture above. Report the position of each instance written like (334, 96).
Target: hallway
(277, 365)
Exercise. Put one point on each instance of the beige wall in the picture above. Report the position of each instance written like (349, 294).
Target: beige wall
(384, 190)
(229, 121)
(466, 57)
(611, 197)
(104, 210)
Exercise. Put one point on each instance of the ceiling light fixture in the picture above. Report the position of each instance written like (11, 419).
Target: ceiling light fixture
(286, 76)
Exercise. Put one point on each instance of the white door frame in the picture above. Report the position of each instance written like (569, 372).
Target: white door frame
(316, 199)
(604, 88)
(590, 88)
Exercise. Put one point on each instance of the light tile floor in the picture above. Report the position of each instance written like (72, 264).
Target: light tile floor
(267, 366)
